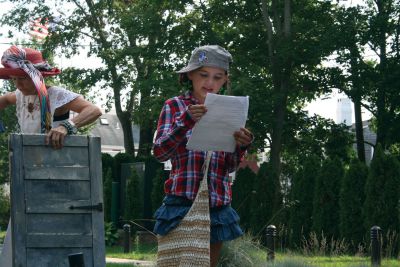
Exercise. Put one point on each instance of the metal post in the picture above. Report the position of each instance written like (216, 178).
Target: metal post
(375, 246)
(271, 233)
(76, 260)
(114, 202)
(127, 238)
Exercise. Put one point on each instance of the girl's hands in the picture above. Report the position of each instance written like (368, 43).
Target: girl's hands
(197, 111)
(243, 137)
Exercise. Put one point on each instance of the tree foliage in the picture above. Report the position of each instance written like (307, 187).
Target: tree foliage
(351, 201)
(244, 190)
(9, 120)
(382, 192)
(279, 49)
(326, 198)
(302, 194)
(134, 40)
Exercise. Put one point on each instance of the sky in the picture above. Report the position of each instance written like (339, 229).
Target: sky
(326, 106)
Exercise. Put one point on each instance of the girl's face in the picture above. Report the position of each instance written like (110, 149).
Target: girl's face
(207, 80)
(25, 85)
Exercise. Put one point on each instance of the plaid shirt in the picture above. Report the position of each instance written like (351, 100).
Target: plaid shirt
(174, 128)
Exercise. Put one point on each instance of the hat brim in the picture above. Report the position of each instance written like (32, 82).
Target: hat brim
(189, 68)
(6, 73)
(193, 67)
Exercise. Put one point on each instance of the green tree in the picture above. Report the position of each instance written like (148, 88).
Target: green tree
(10, 123)
(382, 192)
(383, 28)
(107, 165)
(262, 212)
(157, 192)
(351, 202)
(134, 40)
(4, 208)
(278, 64)
(302, 193)
(243, 192)
(133, 198)
(352, 25)
(326, 198)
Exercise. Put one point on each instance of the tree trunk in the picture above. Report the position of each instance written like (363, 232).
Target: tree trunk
(281, 73)
(126, 124)
(382, 17)
(356, 97)
(97, 25)
(276, 137)
(146, 139)
(359, 129)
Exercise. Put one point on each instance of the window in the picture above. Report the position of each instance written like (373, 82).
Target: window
(103, 121)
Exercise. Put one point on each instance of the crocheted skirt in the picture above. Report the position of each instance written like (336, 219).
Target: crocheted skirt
(224, 220)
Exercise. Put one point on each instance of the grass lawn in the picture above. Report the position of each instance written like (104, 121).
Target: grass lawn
(338, 261)
(148, 252)
(118, 265)
(145, 252)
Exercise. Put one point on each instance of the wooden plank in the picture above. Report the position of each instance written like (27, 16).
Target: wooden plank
(39, 140)
(58, 173)
(50, 182)
(79, 224)
(36, 156)
(50, 189)
(52, 257)
(17, 201)
(58, 241)
(56, 206)
(97, 196)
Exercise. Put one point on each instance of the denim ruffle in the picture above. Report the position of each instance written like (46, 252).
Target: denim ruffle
(224, 220)
(224, 224)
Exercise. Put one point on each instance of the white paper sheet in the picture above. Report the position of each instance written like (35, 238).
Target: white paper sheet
(214, 131)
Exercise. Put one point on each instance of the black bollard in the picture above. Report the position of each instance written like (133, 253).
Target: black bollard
(271, 233)
(375, 246)
(76, 260)
(127, 238)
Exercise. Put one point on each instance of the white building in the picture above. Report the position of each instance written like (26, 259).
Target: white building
(344, 112)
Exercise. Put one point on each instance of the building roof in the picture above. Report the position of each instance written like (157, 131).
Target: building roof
(109, 128)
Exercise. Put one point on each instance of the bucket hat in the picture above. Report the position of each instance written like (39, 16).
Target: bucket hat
(29, 56)
(208, 56)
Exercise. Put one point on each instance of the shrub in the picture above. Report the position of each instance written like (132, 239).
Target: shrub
(242, 252)
(351, 201)
(4, 208)
(110, 234)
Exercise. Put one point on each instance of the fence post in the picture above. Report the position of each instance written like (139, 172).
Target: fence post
(127, 238)
(271, 233)
(114, 203)
(375, 246)
(76, 260)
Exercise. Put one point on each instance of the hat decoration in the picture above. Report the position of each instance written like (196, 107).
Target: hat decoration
(202, 57)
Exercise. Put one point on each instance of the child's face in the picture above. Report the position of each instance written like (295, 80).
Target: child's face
(24, 84)
(207, 80)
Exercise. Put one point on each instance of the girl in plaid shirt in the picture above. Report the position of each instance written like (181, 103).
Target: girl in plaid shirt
(207, 72)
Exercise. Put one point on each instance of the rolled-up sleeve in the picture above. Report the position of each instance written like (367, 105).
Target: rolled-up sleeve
(171, 131)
